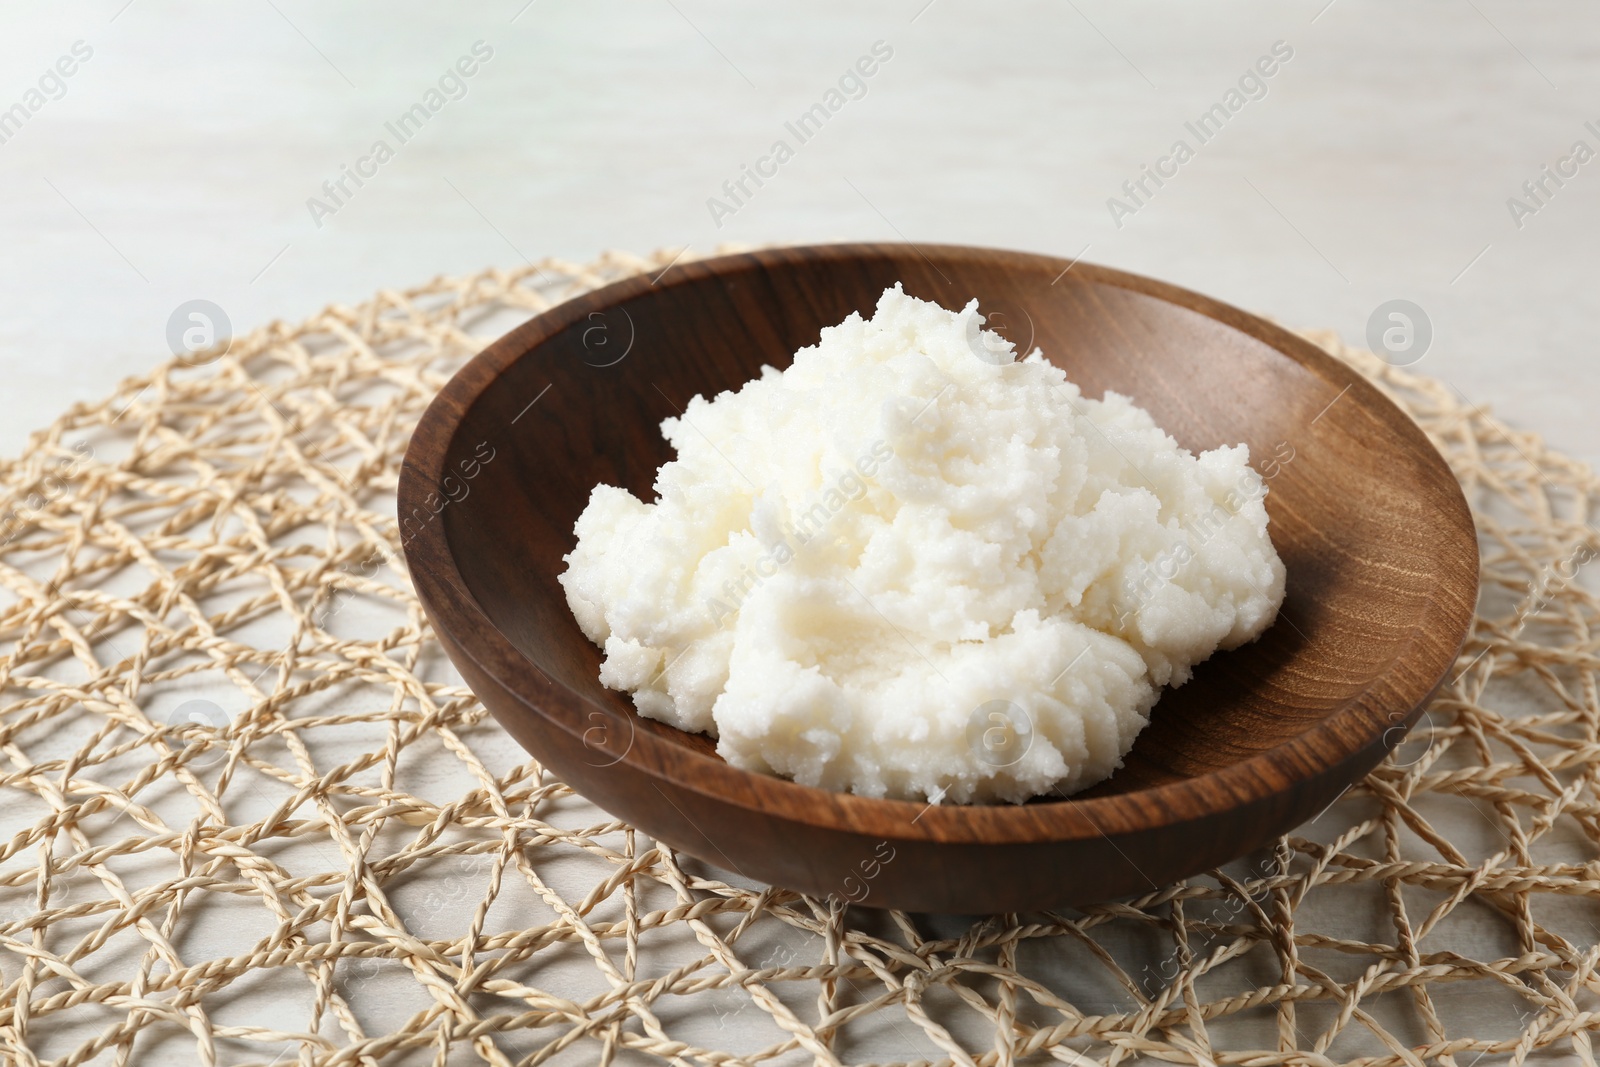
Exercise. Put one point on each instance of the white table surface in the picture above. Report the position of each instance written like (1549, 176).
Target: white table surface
(179, 161)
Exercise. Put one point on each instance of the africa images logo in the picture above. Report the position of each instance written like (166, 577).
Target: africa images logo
(452, 85)
(51, 85)
(852, 85)
(1251, 85)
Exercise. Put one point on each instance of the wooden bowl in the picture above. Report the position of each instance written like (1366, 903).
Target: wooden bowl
(1379, 546)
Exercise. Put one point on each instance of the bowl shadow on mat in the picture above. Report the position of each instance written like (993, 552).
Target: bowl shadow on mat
(1372, 527)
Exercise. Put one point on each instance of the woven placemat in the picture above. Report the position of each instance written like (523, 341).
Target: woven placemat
(252, 816)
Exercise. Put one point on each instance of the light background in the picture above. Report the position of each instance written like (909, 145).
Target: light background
(179, 162)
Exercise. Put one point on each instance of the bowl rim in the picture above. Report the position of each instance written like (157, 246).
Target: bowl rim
(1342, 735)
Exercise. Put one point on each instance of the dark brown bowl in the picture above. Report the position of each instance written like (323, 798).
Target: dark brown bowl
(1379, 546)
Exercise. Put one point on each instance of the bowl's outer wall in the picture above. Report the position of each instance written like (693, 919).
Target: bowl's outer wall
(912, 874)
(1378, 543)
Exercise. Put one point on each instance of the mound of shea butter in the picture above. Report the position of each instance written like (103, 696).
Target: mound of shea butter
(914, 565)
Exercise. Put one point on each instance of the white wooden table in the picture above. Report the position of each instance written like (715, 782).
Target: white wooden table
(180, 159)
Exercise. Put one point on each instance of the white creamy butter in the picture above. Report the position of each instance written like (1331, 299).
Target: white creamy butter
(914, 566)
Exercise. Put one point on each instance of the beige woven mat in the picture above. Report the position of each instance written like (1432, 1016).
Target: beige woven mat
(251, 815)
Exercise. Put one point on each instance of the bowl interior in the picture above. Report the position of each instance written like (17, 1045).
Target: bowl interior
(1354, 491)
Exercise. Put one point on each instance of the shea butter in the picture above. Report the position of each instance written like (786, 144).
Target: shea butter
(919, 564)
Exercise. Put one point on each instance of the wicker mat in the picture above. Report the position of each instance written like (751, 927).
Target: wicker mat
(252, 816)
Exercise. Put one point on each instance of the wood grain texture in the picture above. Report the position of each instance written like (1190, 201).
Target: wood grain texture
(1372, 527)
